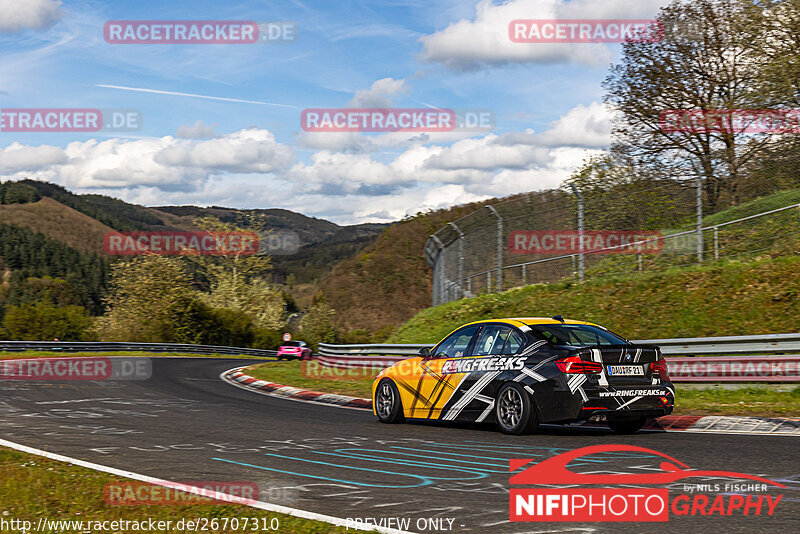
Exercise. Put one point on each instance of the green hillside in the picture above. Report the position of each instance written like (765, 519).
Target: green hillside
(730, 298)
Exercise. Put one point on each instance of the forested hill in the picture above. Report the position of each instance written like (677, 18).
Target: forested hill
(48, 231)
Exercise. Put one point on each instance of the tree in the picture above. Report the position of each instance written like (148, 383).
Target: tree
(319, 325)
(779, 75)
(704, 62)
(619, 196)
(233, 267)
(17, 193)
(150, 295)
(237, 280)
(46, 289)
(43, 321)
(256, 298)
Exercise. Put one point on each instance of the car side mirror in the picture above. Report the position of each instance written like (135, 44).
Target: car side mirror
(425, 352)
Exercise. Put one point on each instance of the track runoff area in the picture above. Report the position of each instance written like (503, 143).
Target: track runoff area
(178, 423)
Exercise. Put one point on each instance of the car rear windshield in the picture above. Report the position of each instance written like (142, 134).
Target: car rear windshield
(292, 344)
(578, 335)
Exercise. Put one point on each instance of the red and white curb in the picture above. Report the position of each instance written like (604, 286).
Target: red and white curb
(237, 377)
(717, 424)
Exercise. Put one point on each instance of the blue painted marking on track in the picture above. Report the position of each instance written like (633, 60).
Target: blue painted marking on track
(431, 459)
(457, 454)
(424, 480)
(413, 463)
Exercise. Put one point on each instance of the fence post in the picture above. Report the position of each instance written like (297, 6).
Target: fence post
(460, 258)
(488, 281)
(524, 276)
(699, 196)
(716, 242)
(499, 247)
(581, 264)
(438, 278)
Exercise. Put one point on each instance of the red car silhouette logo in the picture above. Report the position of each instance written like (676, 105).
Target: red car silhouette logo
(554, 470)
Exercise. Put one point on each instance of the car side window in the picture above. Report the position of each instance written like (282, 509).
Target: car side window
(491, 340)
(514, 343)
(456, 344)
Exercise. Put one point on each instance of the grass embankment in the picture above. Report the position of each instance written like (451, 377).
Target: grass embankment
(731, 298)
(755, 401)
(57, 354)
(33, 487)
(316, 378)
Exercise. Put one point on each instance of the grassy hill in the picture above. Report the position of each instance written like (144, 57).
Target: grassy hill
(731, 298)
(81, 221)
(59, 222)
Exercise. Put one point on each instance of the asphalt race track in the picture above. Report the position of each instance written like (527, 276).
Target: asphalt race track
(185, 424)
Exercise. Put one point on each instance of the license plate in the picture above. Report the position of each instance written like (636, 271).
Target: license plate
(625, 370)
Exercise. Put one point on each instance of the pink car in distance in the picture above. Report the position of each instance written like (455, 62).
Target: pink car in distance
(294, 350)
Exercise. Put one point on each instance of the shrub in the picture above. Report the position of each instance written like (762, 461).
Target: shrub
(43, 321)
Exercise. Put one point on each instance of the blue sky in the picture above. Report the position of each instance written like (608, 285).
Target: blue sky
(546, 101)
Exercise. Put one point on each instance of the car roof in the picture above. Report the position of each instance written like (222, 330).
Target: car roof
(523, 321)
(530, 321)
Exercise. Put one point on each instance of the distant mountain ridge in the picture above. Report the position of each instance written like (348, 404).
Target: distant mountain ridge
(81, 220)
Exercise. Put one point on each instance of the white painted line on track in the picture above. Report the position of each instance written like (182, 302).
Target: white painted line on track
(233, 499)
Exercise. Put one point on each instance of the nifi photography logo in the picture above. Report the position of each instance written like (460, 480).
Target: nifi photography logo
(629, 500)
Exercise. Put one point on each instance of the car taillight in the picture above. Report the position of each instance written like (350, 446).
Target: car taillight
(659, 367)
(576, 365)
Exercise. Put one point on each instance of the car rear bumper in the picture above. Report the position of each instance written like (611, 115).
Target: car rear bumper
(628, 402)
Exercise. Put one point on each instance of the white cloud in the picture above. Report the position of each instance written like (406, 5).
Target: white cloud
(484, 153)
(18, 15)
(361, 143)
(196, 131)
(340, 173)
(582, 126)
(17, 157)
(484, 42)
(249, 168)
(166, 162)
(252, 150)
(377, 96)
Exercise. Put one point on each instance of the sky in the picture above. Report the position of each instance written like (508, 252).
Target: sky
(221, 123)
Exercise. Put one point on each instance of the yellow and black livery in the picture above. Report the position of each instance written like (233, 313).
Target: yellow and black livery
(519, 372)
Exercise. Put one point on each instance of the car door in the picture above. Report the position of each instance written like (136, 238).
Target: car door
(432, 388)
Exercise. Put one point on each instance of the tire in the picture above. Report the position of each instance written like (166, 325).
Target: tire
(627, 426)
(388, 405)
(514, 410)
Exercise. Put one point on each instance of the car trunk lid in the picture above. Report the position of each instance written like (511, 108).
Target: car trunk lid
(624, 364)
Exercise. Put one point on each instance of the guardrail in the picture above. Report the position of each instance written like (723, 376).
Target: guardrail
(709, 359)
(76, 346)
